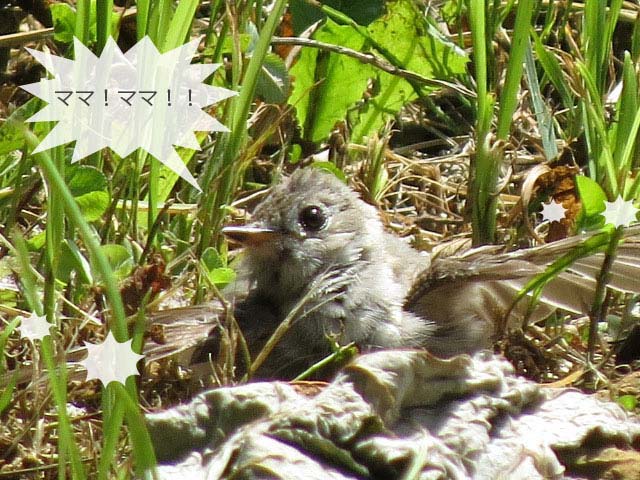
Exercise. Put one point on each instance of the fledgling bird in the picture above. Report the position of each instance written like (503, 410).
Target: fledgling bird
(315, 251)
(315, 246)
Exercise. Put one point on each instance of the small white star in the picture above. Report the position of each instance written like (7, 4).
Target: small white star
(110, 361)
(553, 212)
(35, 327)
(620, 212)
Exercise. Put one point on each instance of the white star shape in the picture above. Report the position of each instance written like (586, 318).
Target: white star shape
(553, 212)
(110, 361)
(620, 212)
(35, 327)
(125, 101)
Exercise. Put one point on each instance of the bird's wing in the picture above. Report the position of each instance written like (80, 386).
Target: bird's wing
(170, 332)
(481, 285)
(181, 330)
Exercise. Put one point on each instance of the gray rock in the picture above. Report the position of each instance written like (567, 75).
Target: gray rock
(390, 414)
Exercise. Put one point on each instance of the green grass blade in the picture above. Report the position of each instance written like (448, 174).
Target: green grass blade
(180, 25)
(543, 116)
(626, 128)
(118, 324)
(104, 10)
(160, 15)
(242, 103)
(553, 70)
(83, 20)
(478, 36)
(142, 18)
(140, 438)
(57, 373)
(519, 45)
(600, 150)
(593, 39)
(7, 393)
(588, 247)
(484, 166)
(112, 417)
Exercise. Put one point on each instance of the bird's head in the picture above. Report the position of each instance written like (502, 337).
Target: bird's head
(309, 223)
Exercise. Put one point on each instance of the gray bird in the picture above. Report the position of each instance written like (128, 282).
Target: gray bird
(314, 248)
(316, 254)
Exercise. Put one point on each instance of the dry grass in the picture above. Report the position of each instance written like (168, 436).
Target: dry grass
(424, 197)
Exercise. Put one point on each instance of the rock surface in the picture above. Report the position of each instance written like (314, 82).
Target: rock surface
(399, 413)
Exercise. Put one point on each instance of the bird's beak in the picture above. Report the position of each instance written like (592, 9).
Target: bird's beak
(250, 236)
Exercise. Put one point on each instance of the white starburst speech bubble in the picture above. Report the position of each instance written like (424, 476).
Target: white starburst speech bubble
(620, 213)
(110, 361)
(141, 99)
(553, 212)
(35, 327)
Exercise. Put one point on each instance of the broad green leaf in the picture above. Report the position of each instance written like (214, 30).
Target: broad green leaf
(37, 241)
(303, 74)
(11, 137)
(222, 276)
(592, 197)
(93, 204)
(119, 258)
(211, 259)
(342, 81)
(216, 267)
(408, 35)
(72, 259)
(331, 168)
(89, 188)
(416, 45)
(404, 37)
(64, 20)
(83, 179)
(391, 94)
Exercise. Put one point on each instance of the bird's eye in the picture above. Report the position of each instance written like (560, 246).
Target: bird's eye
(312, 218)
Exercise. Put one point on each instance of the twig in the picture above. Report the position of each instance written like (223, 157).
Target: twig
(371, 59)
